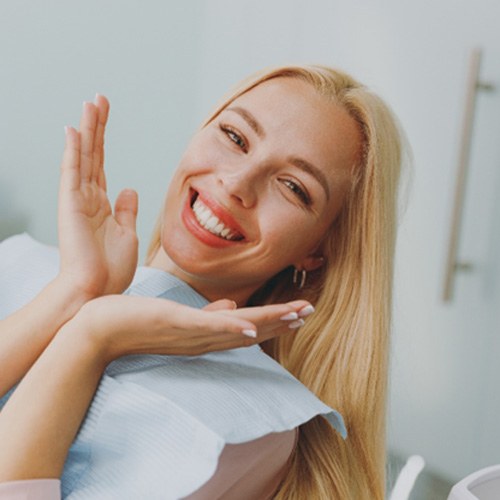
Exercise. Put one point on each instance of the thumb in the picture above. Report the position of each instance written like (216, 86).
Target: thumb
(126, 207)
(221, 305)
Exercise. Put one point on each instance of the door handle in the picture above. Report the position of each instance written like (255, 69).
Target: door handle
(474, 85)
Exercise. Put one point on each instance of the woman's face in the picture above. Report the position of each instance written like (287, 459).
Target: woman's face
(257, 189)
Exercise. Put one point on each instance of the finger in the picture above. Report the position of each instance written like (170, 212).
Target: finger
(102, 105)
(303, 308)
(306, 311)
(101, 180)
(275, 319)
(218, 323)
(272, 312)
(88, 124)
(126, 207)
(221, 305)
(298, 304)
(70, 164)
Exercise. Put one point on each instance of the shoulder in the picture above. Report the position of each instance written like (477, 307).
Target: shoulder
(252, 470)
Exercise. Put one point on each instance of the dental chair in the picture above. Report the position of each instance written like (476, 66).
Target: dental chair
(481, 485)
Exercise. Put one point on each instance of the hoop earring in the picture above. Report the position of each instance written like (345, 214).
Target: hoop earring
(303, 276)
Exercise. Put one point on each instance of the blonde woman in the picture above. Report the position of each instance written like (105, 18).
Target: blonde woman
(284, 199)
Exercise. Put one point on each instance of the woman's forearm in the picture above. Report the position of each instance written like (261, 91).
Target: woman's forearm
(42, 417)
(26, 333)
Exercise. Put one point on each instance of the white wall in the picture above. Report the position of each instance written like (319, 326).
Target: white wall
(144, 56)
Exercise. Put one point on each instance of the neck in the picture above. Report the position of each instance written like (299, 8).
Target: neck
(210, 288)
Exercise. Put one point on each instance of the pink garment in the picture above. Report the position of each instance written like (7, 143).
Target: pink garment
(247, 471)
(250, 471)
(31, 489)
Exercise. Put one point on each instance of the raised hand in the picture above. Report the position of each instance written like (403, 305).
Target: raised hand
(119, 325)
(98, 247)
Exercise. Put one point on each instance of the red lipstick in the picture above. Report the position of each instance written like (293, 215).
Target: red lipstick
(203, 234)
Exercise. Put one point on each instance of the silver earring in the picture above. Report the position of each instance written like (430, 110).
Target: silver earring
(303, 276)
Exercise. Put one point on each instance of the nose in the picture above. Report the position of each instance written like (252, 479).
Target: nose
(240, 184)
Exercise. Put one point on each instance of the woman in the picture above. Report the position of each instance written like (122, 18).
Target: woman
(292, 179)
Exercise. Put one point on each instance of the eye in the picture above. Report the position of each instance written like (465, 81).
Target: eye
(297, 191)
(235, 137)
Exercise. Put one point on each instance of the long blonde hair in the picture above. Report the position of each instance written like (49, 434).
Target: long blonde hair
(341, 352)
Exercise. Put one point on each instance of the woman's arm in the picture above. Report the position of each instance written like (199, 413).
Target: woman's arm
(27, 332)
(42, 417)
(98, 248)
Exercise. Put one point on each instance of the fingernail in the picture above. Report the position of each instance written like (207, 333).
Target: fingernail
(305, 311)
(66, 130)
(289, 316)
(96, 96)
(249, 333)
(296, 324)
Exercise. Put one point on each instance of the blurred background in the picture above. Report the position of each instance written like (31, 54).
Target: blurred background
(163, 64)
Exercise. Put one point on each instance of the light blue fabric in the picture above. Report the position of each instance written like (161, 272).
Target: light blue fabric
(158, 424)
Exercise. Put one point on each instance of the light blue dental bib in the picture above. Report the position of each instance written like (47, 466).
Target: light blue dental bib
(157, 424)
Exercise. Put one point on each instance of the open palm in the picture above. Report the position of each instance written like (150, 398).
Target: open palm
(98, 247)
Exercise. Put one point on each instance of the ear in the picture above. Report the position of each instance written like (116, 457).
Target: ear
(311, 263)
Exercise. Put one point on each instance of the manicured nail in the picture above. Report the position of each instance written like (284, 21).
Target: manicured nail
(296, 324)
(249, 333)
(289, 316)
(96, 96)
(305, 311)
(66, 130)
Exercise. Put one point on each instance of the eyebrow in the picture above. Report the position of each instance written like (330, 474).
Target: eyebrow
(250, 119)
(301, 164)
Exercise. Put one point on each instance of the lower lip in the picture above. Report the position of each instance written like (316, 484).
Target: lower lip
(200, 232)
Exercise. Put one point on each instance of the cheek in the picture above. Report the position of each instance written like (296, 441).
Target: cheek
(174, 191)
(288, 230)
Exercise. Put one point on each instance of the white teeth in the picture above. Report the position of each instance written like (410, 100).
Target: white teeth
(210, 221)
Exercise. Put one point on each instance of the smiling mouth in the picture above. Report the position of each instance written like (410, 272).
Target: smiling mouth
(209, 221)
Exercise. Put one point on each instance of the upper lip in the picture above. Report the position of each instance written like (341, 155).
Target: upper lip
(219, 211)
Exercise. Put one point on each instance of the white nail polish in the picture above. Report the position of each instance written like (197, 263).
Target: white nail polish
(296, 324)
(305, 311)
(249, 333)
(289, 316)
